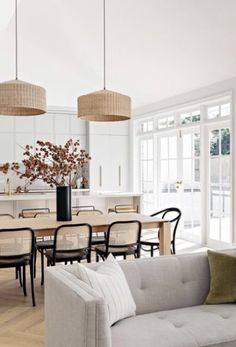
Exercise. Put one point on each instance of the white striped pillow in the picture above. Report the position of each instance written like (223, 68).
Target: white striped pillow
(109, 281)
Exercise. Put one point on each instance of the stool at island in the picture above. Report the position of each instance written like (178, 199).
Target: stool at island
(123, 209)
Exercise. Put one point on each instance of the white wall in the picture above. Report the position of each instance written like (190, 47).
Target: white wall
(57, 126)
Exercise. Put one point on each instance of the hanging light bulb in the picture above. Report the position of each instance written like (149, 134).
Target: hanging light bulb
(104, 105)
(19, 98)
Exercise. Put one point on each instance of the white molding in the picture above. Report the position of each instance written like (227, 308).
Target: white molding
(188, 99)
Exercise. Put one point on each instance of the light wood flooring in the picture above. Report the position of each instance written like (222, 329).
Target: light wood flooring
(22, 325)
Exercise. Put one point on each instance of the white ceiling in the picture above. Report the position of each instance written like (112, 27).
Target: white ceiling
(156, 48)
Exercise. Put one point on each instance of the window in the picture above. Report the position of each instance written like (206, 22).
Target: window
(167, 122)
(146, 126)
(190, 117)
(222, 110)
(185, 161)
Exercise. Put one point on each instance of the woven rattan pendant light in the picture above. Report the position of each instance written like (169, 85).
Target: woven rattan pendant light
(104, 105)
(18, 98)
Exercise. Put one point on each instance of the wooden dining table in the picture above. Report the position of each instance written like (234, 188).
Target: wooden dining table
(47, 226)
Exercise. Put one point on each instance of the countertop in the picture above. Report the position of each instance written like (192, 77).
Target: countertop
(51, 195)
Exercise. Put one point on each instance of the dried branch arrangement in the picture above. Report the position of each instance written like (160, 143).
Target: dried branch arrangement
(54, 164)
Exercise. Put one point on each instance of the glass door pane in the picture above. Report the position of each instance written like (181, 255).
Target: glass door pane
(168, 170)
(219, 185)
(146, 151)
(191, 193)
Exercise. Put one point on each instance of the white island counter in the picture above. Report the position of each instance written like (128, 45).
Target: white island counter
(102, 200)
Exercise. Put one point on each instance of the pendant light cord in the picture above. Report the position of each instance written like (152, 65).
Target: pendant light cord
(104, 44)
(16, 38)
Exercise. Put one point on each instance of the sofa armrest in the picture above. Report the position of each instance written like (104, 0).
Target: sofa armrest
(75, 315)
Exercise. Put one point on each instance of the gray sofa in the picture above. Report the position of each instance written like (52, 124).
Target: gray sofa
(169, 293)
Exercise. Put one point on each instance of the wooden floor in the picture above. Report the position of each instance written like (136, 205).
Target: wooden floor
(22, 325)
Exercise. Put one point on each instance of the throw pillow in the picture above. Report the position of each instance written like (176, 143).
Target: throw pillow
(223, 278)
(110, 283)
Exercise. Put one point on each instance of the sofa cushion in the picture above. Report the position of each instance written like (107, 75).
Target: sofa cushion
(166, 283)
(223, 278)
(212, 325)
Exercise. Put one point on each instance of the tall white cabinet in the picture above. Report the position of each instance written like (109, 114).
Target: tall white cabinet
(109, 149)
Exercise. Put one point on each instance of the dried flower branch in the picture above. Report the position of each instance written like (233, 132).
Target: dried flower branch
(53, 164)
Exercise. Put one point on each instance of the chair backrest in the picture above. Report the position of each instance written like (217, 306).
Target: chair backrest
(72, 237)
(6, 216)
(123, 233)
(16, 242)
(125, 208)
(31, 212)
(75, 209)
(94, 212)
(173, 215)
(45, 215)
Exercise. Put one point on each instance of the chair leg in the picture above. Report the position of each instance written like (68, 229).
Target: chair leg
(24, 281)
(124, 256)
(35, 258)
(152, 251)
(138, 252)
(32, 281)
(16, 273)
(173, 247)
(42, 268)
(71, 261)
(20, 278)
(97, 258)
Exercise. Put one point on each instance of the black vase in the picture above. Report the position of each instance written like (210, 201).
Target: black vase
(64, 212)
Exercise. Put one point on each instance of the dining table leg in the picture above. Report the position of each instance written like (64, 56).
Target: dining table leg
(165, 238)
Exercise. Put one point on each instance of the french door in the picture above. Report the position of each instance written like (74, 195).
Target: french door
(219, 193)
(178, 169)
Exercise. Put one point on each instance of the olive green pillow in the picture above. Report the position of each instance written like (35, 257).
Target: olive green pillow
(223, 278)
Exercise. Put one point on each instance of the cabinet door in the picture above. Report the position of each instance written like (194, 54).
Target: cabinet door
(109, 164)
(100, 154)
(119, 157)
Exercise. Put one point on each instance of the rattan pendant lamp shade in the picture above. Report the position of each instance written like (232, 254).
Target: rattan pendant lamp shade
(104, 105)
(19, 98)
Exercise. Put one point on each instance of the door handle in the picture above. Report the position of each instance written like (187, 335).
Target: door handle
(100, 175)
(119, 175)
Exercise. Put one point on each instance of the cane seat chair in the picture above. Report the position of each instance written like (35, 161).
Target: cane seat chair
(72, 242)
(123, 209)
(31, 212)
(43, 244)
(8, 216)
(122, 239)
(76, 209)
(173, 215)
(97, 238)
(17, 251)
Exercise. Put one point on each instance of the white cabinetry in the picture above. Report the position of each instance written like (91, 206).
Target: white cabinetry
(109, 149)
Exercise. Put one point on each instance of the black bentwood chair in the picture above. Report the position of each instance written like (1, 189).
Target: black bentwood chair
(17, 251)
(41, 244)
(97, 238)
(8, 216)
(173, 215)
(72, 242)
(122, 239)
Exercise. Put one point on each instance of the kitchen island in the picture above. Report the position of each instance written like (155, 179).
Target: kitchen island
(102, 200)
